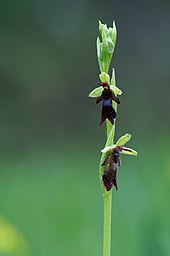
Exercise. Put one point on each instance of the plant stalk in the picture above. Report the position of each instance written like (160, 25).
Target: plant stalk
(107, 223)
(107, 200)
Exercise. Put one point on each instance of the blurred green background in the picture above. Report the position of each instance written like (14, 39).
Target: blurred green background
(50, 197)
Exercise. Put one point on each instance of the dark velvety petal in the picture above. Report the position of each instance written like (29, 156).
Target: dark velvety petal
(99, 99)
(115, 98)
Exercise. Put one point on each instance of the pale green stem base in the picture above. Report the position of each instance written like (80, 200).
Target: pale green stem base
(107, 223)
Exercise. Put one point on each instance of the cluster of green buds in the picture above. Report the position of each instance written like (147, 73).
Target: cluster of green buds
(106, 48)
(107, 93)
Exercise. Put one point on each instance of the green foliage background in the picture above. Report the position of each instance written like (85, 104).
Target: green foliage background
(50, 133)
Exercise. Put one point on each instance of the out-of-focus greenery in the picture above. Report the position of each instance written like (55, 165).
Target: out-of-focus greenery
(11, 241)
(57, 204)
(50, 138)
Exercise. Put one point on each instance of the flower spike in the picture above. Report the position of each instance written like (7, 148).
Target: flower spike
(107, 93)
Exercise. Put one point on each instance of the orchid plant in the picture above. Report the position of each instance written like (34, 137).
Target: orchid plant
(108, 93)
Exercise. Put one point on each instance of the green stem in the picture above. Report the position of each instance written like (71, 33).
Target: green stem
(107, 223)
(107, 197)
(109, 128)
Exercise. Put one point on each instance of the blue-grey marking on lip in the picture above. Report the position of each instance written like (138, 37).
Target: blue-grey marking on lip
(107, 103)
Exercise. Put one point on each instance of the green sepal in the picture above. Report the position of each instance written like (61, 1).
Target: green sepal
(115, 89)
(123, 140)
(96, 92)
(104, 77)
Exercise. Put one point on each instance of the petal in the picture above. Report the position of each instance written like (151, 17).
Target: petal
(115, 89)
(123, 140)
(129, 151)
(96, 92)
(104, 77)
(107, 149)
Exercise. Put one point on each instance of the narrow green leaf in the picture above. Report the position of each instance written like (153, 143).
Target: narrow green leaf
(123, 140)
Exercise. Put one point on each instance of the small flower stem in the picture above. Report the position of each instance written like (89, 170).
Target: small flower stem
(105, 50)
(107, 223)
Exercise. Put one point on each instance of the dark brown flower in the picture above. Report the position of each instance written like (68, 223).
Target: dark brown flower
(108, 112)
(110, 175)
